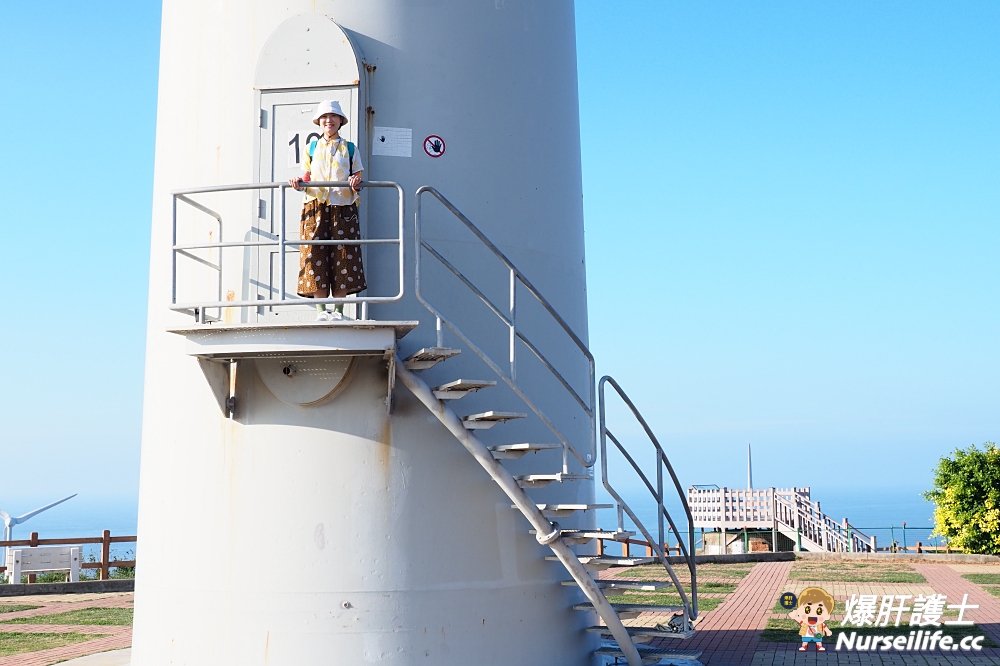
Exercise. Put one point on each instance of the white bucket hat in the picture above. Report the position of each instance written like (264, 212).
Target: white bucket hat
(329, 106)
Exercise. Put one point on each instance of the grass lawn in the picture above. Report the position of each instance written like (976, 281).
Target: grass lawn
(993, 589)
(709, 586)
(983, 579)
(12, 608)
(16, 643)
(652, 599)
(98, 616)
(855, 572)
(786, 630)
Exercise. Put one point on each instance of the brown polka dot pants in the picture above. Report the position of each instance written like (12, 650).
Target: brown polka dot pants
(321, 266)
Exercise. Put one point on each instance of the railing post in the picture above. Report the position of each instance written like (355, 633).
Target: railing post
(659, 498)
(513, 324)
(173, 252)
(281, 244)
(34, 544)
(798, 538)
(904, 536)
(105, 553)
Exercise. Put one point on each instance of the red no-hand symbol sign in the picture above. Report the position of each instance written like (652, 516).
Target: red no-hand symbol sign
(434, 146)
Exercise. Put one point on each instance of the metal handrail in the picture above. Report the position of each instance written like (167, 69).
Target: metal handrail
(199, 307)
(510, 320)
(687, 552)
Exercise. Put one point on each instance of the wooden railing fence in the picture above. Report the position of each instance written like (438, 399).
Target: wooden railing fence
(104, 565)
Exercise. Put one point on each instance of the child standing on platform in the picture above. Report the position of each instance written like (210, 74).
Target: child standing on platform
(330, 213)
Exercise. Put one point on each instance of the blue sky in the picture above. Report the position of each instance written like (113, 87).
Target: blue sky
(797, 251)
(804, 253)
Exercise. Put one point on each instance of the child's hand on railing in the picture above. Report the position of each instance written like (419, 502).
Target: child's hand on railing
(296, 183)
(355, 182)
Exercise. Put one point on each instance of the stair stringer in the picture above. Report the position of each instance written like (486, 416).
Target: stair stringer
(548, 532)
(807, 543)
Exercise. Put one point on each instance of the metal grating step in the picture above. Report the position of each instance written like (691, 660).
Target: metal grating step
(578, 537)
(515, 451)
(634, 608)
(639, 585)
(646, 633)
(563, 510)
(460, 388)
(486, 420)
(428, 357)
(542, 480)
(597, 562)
(649, 654)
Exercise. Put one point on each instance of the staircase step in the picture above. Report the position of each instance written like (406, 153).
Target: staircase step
(542, 480)
(486, 420)
(634, 608)
(640, 585)
(578, 537)
(461, 388)
(514, 451)
(428, 357)
(658, 631)
(649, 654)
(598, 562)
(563, 510)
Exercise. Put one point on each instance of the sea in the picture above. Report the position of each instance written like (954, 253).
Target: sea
(875, 512)
(81, 516)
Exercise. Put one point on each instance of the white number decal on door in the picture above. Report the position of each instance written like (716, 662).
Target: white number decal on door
(296, 148)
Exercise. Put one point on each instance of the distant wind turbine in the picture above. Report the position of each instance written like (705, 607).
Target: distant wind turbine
(9, 523)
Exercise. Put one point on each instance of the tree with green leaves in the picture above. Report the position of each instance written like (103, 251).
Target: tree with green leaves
(966, 495)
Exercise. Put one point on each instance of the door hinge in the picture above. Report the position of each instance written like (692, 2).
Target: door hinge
(263, 118)
(262, 209)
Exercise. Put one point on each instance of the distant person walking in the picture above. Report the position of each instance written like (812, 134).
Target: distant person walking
(330, 213)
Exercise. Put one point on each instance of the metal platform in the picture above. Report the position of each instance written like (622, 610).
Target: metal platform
(286, 339)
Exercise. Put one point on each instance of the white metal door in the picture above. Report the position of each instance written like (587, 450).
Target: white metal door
(286, 129)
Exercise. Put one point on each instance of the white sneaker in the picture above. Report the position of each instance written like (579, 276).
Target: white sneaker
(323, 315)
(335, 316)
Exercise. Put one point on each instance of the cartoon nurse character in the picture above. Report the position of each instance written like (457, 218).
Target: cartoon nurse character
(814, 609)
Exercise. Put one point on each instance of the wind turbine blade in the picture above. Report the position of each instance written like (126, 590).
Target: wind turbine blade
(21, 519)
(3, 516)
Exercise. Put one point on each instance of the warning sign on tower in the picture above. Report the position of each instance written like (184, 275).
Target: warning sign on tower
(434, 146)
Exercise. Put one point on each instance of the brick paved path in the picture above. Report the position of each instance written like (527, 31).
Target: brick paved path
(945, 580)
(941, 578)
(115, 638)
(730, 633)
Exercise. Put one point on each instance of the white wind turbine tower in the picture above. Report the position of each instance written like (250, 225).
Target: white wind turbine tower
(9, 522)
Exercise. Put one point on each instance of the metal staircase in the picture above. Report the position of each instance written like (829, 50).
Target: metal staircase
(577, 458)
(801, 520)
(619, 641)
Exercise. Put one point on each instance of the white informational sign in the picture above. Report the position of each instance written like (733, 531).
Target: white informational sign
(392, 141)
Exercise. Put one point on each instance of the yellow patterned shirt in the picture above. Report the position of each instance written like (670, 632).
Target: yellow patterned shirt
(330, 161)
